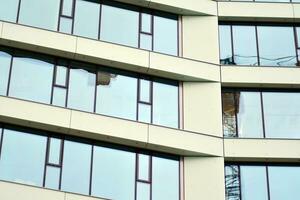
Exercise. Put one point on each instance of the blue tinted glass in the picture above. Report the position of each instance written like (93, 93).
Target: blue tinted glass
(23, 157)
(146, 23)
(9, 10)
(52, 177)
(86, 21)
(61, 75)
(165, 104)
(146, 41)
(278, 50)
(4, 71)
(119, 26)
(54, 151)
(143, 191)
(42, 14)
(225, 45)
(31, 79)
(81, 90)
(165, 179)
(67, 7)
(165, 35)
(59, 96)
(144, 167)
(116, 95)
(65, 25)
(113, 174)
(144, 113)
(76, 167)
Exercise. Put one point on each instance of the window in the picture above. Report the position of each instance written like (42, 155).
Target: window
(248, 44)
(9, 10)
(5, 60)
(259, 114)
(86, 167)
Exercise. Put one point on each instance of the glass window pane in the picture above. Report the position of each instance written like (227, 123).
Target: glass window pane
(81, 90)
(232, 182)
(113, 174)
(146, 42)
(298, 36)
(54, 151)
(65, 25)
(67, 7)
(165, 179)
(249, 114)
(145, 87)
(278, 50)
(282, 114)
(117, 95)
(42, 14)
(146, 23)
(59, 96)
(225, 45)
(165, 35)
(165, 104)
(284, 182)
(4, 71)
(144, 113)
(76, 167)
(86, 22)
(24, 85)
(254, 183)
(61, 75)
(52, 177)
(229, 118)
(144, 167)
(244, 44)
(143, 191)
(9, 10)
(23, 157)
(119, 25)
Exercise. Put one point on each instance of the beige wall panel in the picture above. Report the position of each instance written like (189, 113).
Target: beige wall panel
(35, 115)
(144, 3)
(1, 25)
(255, 11)
(182, 69)
(108, 129)
(183, 142)
(204, 178)
(262, 149)
(202, 108)
(296, 12)
(39, 40)
(70, 196)
(200, 38)
(12, 191)
(112, 55)
(186, 7)
(260, 76)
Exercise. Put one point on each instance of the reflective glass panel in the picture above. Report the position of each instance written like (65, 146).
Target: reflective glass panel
(282, 114)
(144, 113)
(232, 182)
(229, 111)
(59, 96)
(145, 87)
(67, 7)
(165, 179)
(143, 191)
(146, 41)
(119, 25)
(65, 25)
(278, 50)
(76, 167)
(113, 174)
(165, 35)
(61, 75)
(144, 167)
(244, 44)
(117, 95)
(42, 14)
(254, 183)
(146, 23)
(249, 114)
(165, 104)
(26, 86)
(298, 35)
(9, 10)
(54, 151)
(86, 21)
(284, 182)
(52, 177)
(225, 45)
(4, 71)
(23, 157)
(81, 90)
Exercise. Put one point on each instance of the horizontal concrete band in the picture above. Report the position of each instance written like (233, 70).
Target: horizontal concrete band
(259, 11)
(14, 191)
(108, 54)
(98, 127)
